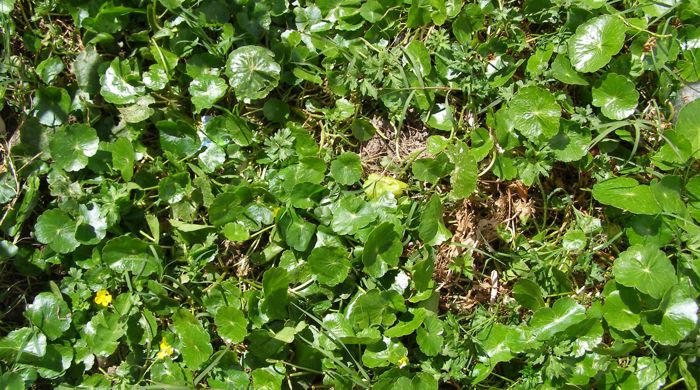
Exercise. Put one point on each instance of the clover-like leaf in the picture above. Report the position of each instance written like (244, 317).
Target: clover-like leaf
(330, 264)
(377, 185)
(206, 89)
(72, 145)
(57, 229)
(616, 96)
(535, 112)
(252, 72)
(645, 268)
(50, 314)
(595, 42)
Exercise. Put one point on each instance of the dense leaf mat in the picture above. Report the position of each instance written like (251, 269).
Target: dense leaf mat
(385, 194)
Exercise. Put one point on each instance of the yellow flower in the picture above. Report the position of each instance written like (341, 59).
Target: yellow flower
(103, 298)
(165, 349)
(403, 362)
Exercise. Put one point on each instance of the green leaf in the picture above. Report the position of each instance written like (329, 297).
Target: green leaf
(376, 185)
(57, 229)
(351, 215)
(616, 96)
(11, 380)
(252, 72)
(6, 6)
(431, 170)
(499, 343)
(235, 231)
(645, 268)
(22, 344)
(102, 333)
(546, 322)
(275, 284)
(225, 129)
(362, 129)
(382, 249)
(431, 222)
(678, 317)
(651, 372)
(406, 327)
(268, 378)
(297, 232)
(115, 88)
(346, 169)
(384, 353)
(139, 111)
(174, 188)
(123, 157)
(126, 254)
(366, 309)
(571, 144)
(225, 208)
(528, 294)
(464, 176)
(627, 194)
(535, 112)
(49, 69)
(205, 90)
(330, 264)
(72, 145)
(621, 309)
(194, 342)
(441, 117)
(51, 106)
(429, 336)
(50, 314)
(178, 138)
(595, 42)
(564, 72)
(85, 68)
(688, 125)
(231, 324)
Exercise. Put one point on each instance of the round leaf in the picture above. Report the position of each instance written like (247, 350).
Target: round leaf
(194, 339)
(535, 112)
(621, 310)
(596, 42)
(126, 254)
(115, 88)
(645, 268)
(330, 264)
(688, 125)
(50, 314)
(616, 96)
(206, 89)
(71, 146)
(51, 106)
(549, 321)
(231, 324)
(679, 318)
(252, 72)
(347, 169)
(626, 194)
(57, 229)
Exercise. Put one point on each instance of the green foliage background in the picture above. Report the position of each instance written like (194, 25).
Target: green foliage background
(350, 194)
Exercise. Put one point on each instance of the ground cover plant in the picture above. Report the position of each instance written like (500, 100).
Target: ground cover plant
(349, 194)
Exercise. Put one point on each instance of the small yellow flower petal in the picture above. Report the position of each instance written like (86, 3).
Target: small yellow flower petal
(103, 298)
(165, 349)
(403, 362)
